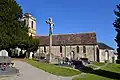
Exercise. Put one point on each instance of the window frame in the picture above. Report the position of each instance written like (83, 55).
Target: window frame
(77, 49)
(32, 24)
(84, 49)
(60, 49)
(45, 49)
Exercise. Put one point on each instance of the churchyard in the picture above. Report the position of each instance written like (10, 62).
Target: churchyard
(99, 71)
(73, 70)
(54, 57)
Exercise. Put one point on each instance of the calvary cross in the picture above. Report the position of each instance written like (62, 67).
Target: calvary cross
(51, 24)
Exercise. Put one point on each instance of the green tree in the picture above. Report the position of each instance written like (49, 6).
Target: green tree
(13, 32)
(10, 14)
(117, 28)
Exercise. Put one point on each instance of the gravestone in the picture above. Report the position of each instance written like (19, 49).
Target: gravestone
(3, 53)
(31, 53)
(77, 64)
(17, 50)
(6, 65)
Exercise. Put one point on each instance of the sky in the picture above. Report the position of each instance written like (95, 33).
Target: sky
(75, 16)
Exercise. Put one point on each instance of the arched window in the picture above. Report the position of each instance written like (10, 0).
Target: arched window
(32, 24)
(106, 50)
(77, 49)
(73, 55)
(60, 49)
(44, 49)
(106, 55)
(84, 49)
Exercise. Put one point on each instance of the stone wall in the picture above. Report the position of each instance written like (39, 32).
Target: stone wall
(67, 51)
(106, 55)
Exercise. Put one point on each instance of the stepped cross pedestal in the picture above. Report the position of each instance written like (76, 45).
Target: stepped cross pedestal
(51, 24)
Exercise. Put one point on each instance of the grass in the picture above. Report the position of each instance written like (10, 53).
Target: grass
(91, 66)
(98, 63)
(91, 77)
(109, 72)
(53, 69)
(112, 68)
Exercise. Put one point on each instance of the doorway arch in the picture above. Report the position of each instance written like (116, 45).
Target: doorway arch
(97, 54)
(106, 55)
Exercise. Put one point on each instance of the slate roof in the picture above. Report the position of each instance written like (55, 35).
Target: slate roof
(69, 39)
(104, 46)
(27, 14)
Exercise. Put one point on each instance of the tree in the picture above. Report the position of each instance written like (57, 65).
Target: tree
(117, 28)
(13, 32)
(10, 14)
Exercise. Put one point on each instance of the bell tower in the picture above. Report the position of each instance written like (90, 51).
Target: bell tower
(30, 22)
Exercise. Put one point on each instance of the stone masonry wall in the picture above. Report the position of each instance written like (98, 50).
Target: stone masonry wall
(67, 51)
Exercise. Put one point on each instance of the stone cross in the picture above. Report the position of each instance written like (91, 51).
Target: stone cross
(51, 24)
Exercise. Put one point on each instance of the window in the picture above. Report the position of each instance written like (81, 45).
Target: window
(32, 24)
(106, 55)
(24, 22)
(73, 55)
(44, 49)
(106, 50)
(77, 49)
(60, 49)
(84, 49)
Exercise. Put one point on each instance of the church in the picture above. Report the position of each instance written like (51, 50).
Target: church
(71, 46)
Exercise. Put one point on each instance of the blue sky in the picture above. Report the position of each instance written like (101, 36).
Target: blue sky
(75, 16)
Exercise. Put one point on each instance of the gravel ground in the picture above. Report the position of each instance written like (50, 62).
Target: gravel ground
(28, 72)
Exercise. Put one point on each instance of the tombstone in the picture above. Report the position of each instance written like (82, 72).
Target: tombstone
(31, 54)
(18, 50)
(5, 60)
(23, 51)
(3, 53)
(77, 64)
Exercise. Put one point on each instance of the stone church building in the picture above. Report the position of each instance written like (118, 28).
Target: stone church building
(71, 46)
(76, 46)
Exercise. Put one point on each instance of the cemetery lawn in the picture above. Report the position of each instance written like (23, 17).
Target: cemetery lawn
(91, 77)
(112, 68)
(109, 72)
(91, 66)
(53, 69)
(98, 63)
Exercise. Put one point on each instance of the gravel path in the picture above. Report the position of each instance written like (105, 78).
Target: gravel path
(28, 72)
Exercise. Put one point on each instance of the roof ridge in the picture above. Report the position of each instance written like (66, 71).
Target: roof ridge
(76, 33)
(72, 33)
